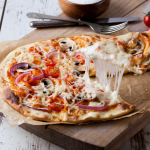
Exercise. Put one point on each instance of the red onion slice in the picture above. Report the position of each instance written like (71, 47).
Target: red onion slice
(42, 75)
(19, 77)
(92, 107)
(42, 109)
(54, 53)
(16, 66)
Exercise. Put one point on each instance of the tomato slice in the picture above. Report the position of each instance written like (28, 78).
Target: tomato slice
(56, 104)
(50, 61)
(52, 71)
(80, 57)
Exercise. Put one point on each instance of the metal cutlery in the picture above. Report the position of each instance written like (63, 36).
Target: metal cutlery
(95, 27)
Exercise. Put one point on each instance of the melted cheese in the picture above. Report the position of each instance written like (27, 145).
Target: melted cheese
(108, 51)
(102, 87)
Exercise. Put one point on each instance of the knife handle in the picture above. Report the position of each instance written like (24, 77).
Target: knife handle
(45, 24)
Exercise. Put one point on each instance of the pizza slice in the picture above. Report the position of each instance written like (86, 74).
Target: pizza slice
(130, 51)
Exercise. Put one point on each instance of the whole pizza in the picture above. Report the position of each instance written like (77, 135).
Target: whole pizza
(49, 80)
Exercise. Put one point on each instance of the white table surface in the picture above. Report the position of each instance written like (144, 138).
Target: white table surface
(15, 25)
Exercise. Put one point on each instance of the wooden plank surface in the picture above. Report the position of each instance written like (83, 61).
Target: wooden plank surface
(119, 8)
(69, 136)
(134, 143)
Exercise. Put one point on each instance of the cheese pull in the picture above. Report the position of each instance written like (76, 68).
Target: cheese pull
(130, 51)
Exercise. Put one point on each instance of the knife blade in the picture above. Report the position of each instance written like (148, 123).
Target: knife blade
(41, 24)
(115, 20)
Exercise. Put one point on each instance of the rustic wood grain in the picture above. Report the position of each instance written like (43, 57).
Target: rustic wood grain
(60, 134)
(119, 8)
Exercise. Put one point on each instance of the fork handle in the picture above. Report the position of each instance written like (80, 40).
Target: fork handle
(43, 16)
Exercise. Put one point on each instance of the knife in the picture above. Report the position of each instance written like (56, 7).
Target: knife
(41, 24)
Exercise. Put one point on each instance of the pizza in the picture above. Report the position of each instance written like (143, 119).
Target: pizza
(49, 80)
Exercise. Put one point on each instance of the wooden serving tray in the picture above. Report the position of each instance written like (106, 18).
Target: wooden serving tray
(103, 135)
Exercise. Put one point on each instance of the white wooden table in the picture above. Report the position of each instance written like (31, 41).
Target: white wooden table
(15, 25)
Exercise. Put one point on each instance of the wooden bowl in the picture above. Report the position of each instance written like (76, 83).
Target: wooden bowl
(84, 11)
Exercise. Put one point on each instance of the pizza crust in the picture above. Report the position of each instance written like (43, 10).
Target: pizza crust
(121, 109)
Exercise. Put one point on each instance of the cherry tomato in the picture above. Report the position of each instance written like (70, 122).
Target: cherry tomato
(148, 29)
(56, 104)
(50, 61)
(147, 19)
(52, 71)
(80, 57)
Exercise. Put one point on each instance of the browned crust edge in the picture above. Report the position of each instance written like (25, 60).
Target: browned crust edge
(26, 111)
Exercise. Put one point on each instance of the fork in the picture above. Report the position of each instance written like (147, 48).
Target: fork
(95, 27)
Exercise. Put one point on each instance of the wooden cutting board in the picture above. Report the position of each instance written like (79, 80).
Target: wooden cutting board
(104, 135)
